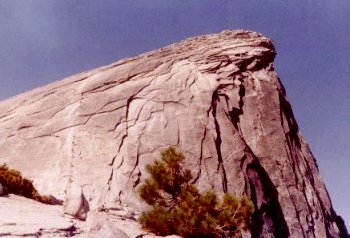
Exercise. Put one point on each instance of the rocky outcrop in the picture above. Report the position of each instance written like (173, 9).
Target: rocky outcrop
(216, 98)
(22, 217)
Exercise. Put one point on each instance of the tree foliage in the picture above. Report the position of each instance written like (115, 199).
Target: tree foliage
(13, 182)
(179, 208)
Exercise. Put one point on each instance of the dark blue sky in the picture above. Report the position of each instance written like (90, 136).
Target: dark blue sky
(45, 40)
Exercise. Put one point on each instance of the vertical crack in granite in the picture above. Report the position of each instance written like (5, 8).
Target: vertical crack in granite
(126, 122)
(125, 135)
(220, 168)
(268, 217)
(234, 112)
(200, 160)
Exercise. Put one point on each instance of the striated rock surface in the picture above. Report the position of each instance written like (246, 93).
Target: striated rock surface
(214, 97)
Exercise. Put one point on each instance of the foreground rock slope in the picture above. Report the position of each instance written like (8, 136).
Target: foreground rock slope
(216, 98)
(22, 217)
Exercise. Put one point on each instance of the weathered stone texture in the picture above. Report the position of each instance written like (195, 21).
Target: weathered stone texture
(216, 98)
(22, 217)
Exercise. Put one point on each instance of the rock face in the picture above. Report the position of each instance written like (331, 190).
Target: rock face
(216, 98)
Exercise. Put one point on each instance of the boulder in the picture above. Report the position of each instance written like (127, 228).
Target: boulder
(75, 203)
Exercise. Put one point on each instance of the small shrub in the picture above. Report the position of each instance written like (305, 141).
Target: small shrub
(13, 182)
(179, 208)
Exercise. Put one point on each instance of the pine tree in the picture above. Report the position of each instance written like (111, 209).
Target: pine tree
(179, 208)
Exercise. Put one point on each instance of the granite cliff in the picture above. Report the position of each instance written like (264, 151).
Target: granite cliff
(86, 139)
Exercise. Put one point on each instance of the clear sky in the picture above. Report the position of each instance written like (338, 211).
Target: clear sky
(45, 40)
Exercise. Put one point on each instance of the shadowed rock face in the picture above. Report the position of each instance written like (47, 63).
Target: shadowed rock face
(214, 97)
